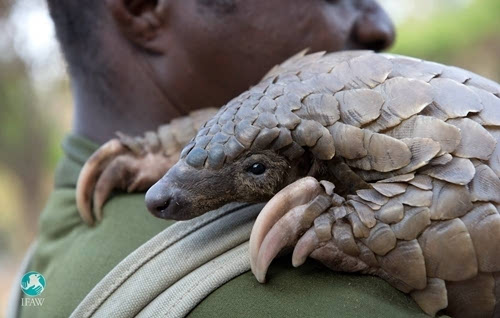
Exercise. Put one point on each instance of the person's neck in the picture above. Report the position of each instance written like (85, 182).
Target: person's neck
(133, 108)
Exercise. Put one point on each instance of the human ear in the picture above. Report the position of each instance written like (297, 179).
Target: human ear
(141, 21)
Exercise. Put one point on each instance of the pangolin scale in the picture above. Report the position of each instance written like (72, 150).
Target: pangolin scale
(419, 145)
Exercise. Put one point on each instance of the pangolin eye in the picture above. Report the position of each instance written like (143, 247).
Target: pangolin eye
(257, 168)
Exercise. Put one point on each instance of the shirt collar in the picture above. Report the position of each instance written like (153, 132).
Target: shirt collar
(76, 151)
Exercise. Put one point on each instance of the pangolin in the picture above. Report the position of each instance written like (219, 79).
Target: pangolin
(373, 163)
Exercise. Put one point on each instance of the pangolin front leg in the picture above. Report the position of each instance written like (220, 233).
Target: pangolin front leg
(347, 236)
(133, 163)
(303, 215)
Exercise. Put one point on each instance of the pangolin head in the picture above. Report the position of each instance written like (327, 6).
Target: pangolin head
(261, 141)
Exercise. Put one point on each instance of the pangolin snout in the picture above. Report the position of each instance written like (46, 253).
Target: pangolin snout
(165, 201)
(186, 192)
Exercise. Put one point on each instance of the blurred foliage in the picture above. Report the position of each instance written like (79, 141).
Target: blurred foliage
(468, 37)
(31, 125)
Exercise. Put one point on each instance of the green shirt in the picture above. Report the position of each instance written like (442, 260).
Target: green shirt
(74, 257)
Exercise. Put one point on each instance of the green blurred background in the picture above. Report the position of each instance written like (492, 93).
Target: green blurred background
(36, 110)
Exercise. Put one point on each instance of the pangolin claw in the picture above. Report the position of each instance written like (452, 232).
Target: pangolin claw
(283, 221)
(116, 166)
(305, 246)
(90, 174)
(280, 204)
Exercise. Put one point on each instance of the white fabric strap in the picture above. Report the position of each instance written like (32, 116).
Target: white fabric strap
(183, 296)
(171, 273)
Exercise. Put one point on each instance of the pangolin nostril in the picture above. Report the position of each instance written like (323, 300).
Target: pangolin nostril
(158, 198)
(163, 207)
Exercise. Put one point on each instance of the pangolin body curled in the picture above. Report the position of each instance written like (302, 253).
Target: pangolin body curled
(424, 136)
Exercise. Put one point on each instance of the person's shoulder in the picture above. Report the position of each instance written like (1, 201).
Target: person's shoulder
(308, 291)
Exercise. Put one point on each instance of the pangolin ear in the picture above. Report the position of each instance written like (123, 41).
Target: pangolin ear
(144, 22)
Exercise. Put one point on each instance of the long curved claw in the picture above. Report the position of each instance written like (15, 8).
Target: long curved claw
(118, 166)
(287, 231)
(284, 233)
(130, 173)
(295, 194)
(305, 246)
(90, 173)
(113, 173)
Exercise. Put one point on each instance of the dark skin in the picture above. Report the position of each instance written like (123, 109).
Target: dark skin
(171, 57)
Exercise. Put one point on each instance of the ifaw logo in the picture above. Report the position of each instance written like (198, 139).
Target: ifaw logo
(32, 285)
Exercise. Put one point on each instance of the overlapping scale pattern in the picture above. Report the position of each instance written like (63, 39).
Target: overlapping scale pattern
(424, 135)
